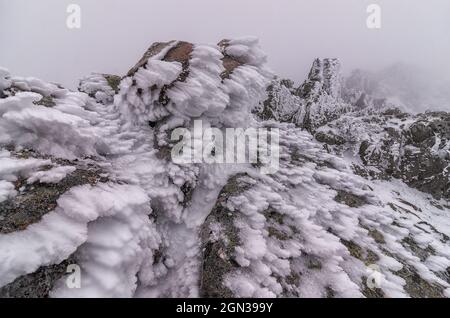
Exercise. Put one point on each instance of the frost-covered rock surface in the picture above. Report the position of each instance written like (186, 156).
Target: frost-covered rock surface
(102, 87)
(316, 102)
(87, 182)
(391, 144)
(282, 103)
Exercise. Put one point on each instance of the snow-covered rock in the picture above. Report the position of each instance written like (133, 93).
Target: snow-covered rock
(87, 183)
(102, 87)
(282, 103)
(316, 102)
(390, 143)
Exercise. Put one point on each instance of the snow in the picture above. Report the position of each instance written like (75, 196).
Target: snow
(7, 190)
(12, 169)
(247, 50)
(47, 130)
(97, 86)
(283, 105)
(138, 235)
(319, 224)
(62, 231)
(118, 243)
(54, 175)
(202, 94)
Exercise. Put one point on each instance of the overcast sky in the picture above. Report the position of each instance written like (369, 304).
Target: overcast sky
(34, 39)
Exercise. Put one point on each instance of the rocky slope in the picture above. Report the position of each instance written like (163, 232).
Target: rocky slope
(380, 140)
(358, 207)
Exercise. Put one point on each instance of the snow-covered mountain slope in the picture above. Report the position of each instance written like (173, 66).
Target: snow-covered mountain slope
(376, 135)
(391, 143)
(87, 179)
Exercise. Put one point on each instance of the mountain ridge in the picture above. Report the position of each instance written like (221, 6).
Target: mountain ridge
(336, 219)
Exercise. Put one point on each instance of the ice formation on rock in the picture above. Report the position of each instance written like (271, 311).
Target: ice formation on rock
(94, 172)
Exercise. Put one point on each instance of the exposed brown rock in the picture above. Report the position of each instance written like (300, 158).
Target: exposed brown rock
(154, 49)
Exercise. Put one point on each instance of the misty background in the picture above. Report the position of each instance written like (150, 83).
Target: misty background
(410, 52)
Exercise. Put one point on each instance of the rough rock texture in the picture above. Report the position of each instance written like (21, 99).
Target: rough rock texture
(218, 251)
(35, 200)
(322, 94)
(282, 103)
(385, 141)
(316, 102)
(37, 284)
(394, 144)
(256, 243)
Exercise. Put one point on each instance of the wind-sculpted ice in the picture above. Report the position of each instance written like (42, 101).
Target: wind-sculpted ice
(88, 178)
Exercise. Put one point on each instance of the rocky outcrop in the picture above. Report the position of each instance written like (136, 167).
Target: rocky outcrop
(182, 82)
(282, 103)
(393, 144)
(351, 117)
(101, 87)
(38, 195)
(316, 102)
(322, 93)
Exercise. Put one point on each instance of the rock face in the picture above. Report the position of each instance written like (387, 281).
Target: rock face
(318, 100)
(393, 144)
(322, 94)
(385, 141)
(88, 178)
(282, 103)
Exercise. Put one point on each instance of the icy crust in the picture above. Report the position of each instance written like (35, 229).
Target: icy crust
(102, 87)
(161, 256)
(390, 143)
(246, 50)
(313, 228)
(322, 95)
(317, 230)
(118, 243)
(282, 103)
(186, 81)
(316, 102)
(197, 85)
(54, 175)
(12, 169)
(62, 231)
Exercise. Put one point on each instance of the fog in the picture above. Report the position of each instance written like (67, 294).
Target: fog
(35, 41)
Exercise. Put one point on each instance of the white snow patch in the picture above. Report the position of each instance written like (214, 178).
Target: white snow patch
(54, 175)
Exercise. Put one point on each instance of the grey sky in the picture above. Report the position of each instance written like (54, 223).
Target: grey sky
(34, 39)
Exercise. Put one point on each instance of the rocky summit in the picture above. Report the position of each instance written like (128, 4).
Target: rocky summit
(93, 205)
